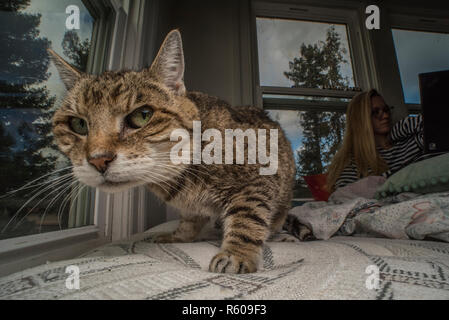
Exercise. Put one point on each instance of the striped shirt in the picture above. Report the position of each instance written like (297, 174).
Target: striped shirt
(407, 136)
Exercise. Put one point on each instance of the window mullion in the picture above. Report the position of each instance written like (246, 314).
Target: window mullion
(309, 92)
(306, 105)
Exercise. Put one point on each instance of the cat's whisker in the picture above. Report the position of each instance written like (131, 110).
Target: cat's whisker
(154, 160)
(169, 185)
(175, 169)
(79, 191)
(59, 184)
(170, 152)
(56, 182)
(161, 155)
(66, 200)
(30, 184)
(159, 180)
(58, 188)
(55, 199)
(185, 170)
(51, 181)
(145, 160)
(69, 191)
(162, 180)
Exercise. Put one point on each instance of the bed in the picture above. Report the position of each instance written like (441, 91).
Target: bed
(342, 267)
(390, 244)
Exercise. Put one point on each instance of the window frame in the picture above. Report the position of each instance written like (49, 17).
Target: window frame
(122, 39)
(360, 65)
(126, 213)
(373, 52)
(23, 252)
(361, 57)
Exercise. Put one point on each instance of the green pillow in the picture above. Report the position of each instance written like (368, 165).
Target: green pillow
(426, 176)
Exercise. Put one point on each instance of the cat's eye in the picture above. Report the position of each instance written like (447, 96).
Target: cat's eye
(139, 117)
(78, 126)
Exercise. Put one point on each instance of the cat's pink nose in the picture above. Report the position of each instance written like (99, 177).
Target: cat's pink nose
(101, 162)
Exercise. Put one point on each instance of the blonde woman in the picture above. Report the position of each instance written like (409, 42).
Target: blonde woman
(371, 145)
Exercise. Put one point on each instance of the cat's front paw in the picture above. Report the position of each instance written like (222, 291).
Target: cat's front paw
(225, 262)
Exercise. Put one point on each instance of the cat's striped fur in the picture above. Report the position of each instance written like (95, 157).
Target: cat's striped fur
(251, 206)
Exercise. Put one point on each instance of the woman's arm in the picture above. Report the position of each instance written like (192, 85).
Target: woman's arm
(347, 176)
(407, 136)
(411, 125)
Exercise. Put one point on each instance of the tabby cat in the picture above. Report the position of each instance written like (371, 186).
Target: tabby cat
(116, 130)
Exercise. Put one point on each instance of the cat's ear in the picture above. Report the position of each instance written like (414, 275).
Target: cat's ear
(168, 67)
(68, 74)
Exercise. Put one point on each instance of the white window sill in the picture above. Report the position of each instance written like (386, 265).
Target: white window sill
(19, 253)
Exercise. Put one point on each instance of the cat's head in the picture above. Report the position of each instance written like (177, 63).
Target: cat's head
(116, 127)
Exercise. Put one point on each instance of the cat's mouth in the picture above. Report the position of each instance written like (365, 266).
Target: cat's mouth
(109, 182)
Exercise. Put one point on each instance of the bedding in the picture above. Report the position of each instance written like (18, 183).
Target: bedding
(366, 249)
(339, 268)
(401, 216)
(425, 176)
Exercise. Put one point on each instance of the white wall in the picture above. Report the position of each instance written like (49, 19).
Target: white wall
(211, 38)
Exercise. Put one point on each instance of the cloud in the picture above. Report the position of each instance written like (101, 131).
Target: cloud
(279, 41)
(289, 121)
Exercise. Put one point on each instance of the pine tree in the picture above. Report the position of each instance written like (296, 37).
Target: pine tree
(75, 50)
(23, 68)
(318, 66)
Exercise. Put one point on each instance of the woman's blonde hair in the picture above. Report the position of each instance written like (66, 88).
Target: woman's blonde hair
(358, 142)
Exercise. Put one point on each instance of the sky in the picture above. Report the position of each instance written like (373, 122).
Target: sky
(279, 41)
(419, 52)
(289, 120)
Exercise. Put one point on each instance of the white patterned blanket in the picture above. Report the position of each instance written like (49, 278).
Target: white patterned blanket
(404, 216)
(339, 268)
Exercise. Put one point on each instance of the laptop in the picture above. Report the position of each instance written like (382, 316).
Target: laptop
(434, 88)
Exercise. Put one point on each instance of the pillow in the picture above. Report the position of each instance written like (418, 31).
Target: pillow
(426, 176)
(318, 186)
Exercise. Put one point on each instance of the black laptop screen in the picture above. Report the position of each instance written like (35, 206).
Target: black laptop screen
(434, 87)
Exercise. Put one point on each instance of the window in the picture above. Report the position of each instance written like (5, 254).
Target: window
(313, 145)
(116, 31)
(37, 193)
(419, 52)
(303, 54)
(308, 73)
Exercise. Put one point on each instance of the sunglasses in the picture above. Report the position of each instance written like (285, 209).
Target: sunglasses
(379, 112)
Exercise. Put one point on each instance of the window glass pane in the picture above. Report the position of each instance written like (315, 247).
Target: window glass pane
(315, 137)
(419, 52)
(30, 90)
(294, 53)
